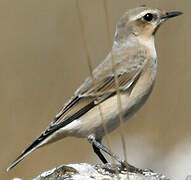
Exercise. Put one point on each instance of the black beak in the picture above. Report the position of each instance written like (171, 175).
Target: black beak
(171, 14)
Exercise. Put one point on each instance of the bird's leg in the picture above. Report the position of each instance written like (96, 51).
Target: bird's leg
(99, 154)
(102, 147)
(97, 146)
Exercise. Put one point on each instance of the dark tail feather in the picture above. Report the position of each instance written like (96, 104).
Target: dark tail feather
(50, 130)
(27, 151)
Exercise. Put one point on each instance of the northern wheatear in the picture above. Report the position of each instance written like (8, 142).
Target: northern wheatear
(135, 63)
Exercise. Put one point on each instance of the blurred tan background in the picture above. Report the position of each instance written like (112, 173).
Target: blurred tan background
(42, 62)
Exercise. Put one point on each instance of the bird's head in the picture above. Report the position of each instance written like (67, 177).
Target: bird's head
(142, 22)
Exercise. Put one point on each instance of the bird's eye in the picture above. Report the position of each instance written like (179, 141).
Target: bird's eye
(148, 17)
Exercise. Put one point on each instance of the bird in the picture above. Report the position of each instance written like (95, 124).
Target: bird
(134, 66)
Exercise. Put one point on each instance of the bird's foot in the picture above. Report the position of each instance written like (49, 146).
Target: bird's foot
(128, 167)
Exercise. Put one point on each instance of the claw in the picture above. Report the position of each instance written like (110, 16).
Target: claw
(126, 166)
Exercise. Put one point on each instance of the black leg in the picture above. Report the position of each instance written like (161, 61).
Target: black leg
(99, 154)
(99, 146)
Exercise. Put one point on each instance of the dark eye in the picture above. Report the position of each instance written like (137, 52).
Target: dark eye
(148, 17)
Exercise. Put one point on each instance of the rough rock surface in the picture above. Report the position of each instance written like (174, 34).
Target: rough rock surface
(85, 171)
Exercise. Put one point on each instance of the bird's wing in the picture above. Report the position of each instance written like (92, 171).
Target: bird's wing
(95, 90)
(97, 93)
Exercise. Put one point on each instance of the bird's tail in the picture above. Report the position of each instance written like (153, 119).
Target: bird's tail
(35, 145)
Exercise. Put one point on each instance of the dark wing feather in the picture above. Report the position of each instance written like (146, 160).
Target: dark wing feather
(95, 94)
